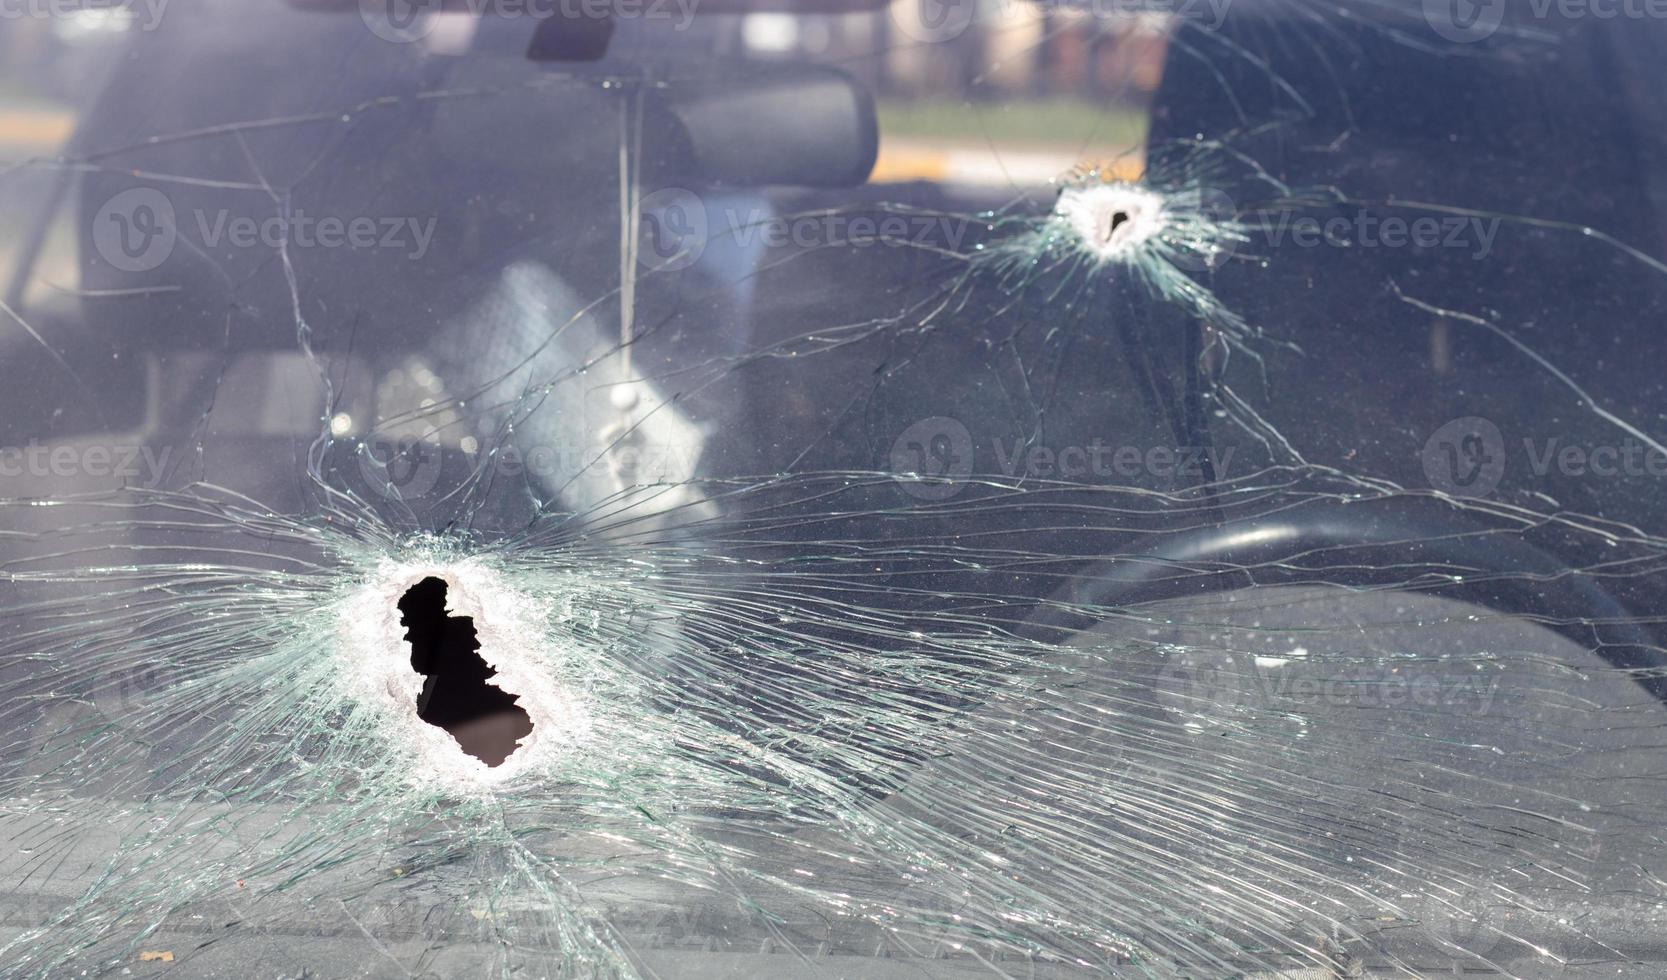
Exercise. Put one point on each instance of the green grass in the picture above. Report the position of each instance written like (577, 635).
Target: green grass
(1041, 122)
(18, 97)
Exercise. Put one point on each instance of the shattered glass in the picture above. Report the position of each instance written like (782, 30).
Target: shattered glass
(938, 489)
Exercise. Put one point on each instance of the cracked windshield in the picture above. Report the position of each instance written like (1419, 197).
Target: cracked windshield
(1153, 489)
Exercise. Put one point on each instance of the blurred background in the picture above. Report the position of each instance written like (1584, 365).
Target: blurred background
(1010, 94)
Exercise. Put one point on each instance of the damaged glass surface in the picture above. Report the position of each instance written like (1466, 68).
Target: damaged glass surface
(1015, 489)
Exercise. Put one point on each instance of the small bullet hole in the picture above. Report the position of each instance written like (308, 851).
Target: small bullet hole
(457, 695)
(1114, 220)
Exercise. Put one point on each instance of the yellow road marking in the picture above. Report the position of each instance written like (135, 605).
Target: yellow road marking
(37, 128)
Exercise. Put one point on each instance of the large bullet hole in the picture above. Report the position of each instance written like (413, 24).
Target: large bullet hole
(457, 694)
(1111, 220)
(1116, 220)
